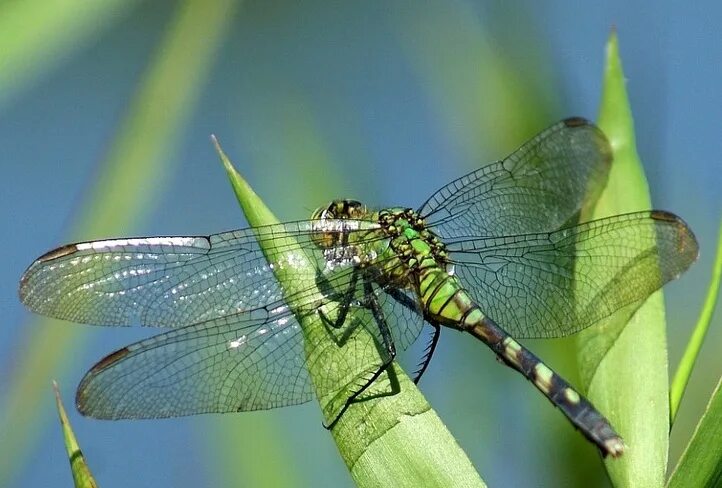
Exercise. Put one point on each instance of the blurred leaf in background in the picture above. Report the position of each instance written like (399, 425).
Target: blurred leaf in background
(37, 35)
(128, 180)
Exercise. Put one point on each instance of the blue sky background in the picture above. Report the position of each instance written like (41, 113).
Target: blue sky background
(379, 101)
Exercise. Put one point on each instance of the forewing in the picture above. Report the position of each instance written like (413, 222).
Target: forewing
(555, 284)
(538, 188)
(228, 364)
(176, 281)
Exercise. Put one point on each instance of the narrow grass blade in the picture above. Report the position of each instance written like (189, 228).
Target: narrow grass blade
(701, 463)
(131, 176)
(388, 440)
(82, 476)
(623, 363)
(681, 377)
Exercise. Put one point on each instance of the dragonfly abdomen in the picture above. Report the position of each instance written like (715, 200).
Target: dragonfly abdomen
(576, 407)
(442, 296)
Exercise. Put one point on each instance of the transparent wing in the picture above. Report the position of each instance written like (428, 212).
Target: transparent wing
(538, 188)
(243, 349)
(228, 364)
(555, 284)
(176, 281)
(248, 361)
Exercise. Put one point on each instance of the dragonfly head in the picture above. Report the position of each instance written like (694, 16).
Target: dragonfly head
(340, 209)
(337, 209)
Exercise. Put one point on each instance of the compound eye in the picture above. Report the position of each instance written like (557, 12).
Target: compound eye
(354, 209)
(340, 209)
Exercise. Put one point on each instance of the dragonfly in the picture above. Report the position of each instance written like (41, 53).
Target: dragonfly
(499, 253)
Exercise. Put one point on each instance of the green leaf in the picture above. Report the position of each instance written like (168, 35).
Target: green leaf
(387, 439)
(701, 462)
(679, 383)
(303, 144)
(81, 472)
(623, 363)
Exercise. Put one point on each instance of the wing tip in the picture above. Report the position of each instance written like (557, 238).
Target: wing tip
(24, 289)
(602, 143)
(665, 216)
(686, 242)
(83, 393)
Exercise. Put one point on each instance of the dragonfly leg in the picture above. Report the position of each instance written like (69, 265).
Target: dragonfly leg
(428, 353)
(387, 344)
(431, 346)
(344, 304)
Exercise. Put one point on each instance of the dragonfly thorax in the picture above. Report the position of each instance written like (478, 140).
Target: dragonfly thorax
(410, 239)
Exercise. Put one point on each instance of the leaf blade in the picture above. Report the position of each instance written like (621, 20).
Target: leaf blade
(636, 404)
(387, 437)
(701, 462)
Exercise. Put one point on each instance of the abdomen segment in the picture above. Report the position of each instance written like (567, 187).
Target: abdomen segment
(578, 409)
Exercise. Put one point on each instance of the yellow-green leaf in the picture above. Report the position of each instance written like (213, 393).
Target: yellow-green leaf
(623, 363)
(701, 463)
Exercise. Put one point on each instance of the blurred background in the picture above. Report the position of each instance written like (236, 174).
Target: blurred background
(105, 114)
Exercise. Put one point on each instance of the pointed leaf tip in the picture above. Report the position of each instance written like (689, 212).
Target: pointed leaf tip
(82, 476)
(636, 404)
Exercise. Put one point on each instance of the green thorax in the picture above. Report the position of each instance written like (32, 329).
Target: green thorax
(420, 259)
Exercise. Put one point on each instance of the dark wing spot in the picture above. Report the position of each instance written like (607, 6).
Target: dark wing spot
(109, 360)
(664, 216)
(575, 122)
(58, 253)
(686, 242)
